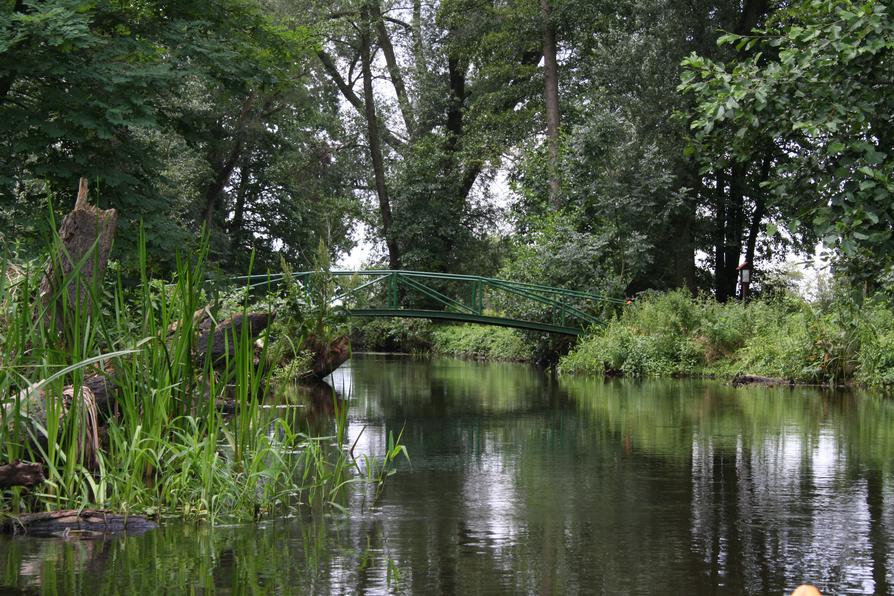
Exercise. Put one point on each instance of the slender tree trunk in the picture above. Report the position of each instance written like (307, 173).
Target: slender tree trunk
(348, 93)
(720, 237)
(734, 228)
(236, 226)
(760, 209)
(397, 79)
(224, 165)
(416, 24)
(375, 144)
(214, 191)
(551, 97)
(457, 78)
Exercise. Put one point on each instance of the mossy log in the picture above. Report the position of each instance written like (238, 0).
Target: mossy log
(72, 523)
(219, 340)
(327, 356)
(20, 473)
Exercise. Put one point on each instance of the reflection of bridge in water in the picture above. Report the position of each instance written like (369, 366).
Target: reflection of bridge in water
(453, 297)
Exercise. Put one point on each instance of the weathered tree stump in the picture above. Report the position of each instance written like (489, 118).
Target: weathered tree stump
(78, 263)
(71, 523)
(75, 268)
(20, 473)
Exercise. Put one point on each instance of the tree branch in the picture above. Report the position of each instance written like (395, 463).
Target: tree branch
(348, 92)
(399, 22)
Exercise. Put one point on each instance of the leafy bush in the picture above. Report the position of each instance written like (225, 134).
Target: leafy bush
(875, 361)
(480, 341)
(412, 336)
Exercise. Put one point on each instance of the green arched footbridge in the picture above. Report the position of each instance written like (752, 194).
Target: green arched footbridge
(453, 297)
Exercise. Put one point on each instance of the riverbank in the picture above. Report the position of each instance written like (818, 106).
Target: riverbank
(418, 336)
(833, 341)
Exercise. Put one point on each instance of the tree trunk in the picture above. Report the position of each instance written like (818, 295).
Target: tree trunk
(221, 341)
(720, 292)
(734, 229)
(236, 226)
(352, 98)
(551, 98)
(375, 145)
(327, 355)
(224, 164)
(418, 51)
(760, 209)
(214, 191)
(397, 80)
(77, 266)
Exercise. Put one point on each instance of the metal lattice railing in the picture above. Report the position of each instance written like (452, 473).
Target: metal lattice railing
(454, 297)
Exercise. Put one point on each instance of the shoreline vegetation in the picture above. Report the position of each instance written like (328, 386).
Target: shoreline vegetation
(153, 399)
(834, 341)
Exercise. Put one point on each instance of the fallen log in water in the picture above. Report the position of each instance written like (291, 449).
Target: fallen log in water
(740, 380)
(327, 356)
(20, 473)
(71, 523)
(219, 340)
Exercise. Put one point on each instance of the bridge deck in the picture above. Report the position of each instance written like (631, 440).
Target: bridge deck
(442, 315)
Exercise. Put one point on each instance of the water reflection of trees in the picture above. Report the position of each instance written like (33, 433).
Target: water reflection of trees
(786, 485)
(522, 484)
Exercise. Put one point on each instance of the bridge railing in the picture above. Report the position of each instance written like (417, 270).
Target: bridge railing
(378, 292)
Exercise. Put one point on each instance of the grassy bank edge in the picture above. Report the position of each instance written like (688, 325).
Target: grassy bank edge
(833, 341)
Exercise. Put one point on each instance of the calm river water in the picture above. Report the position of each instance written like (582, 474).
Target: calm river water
(523, 484)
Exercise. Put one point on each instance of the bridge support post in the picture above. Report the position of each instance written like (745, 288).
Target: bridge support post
(392, 291)
(477, 297)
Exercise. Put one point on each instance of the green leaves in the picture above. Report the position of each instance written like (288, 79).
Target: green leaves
(818, 98)
(104, 89)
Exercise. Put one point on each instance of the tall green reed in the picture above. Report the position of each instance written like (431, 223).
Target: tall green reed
(166, 447)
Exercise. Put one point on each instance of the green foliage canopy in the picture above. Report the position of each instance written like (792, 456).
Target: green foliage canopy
(816, 82)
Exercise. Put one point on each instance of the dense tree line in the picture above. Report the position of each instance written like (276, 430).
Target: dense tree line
(634, 135)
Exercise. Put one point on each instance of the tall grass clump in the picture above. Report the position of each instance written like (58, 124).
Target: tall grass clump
(160, 444)
(836, 340)
(654, 337)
